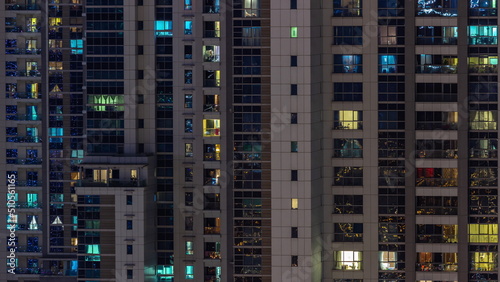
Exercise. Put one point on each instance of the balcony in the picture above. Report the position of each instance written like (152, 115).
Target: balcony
(211, 107)
(21, 29)
(25, 139)
(212, 255)
(22, 51)
(58, 272)
(212, 230)
(211, 9)
(26, 227)
(26, 161)
(26, 249)
(438, 154)
(13, 6)
(211, 157)
(28, 205)
(111, 183)
(23, 73)
(24, 117)
(211, 33)
(24, 95)
(29, 183)
(27, 270)
(437, 267)
(437, 69)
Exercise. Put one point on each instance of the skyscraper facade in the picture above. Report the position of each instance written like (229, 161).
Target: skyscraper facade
(249, 140)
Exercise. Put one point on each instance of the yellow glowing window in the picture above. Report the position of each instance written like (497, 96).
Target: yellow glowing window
(348, 260)
(75, 175)
(55, 65)
(294, 32)
(31, 24)
(295, 203)
(55, 21)
(31, 44)
(31, 66)
(484, 261)
(483, 233)
(211, 127)
(348, 119)
(74, 241)
(55, 43)
(483, 120)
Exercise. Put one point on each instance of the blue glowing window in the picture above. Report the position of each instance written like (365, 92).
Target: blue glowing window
(163, 28)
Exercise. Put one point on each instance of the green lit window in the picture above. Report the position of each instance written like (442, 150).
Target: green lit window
(189, 248)
(165, 270)
(189, 272)
(294, 31)
(93, 249)
(56, 131)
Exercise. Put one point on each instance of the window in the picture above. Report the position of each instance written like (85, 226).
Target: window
(188, 150)
(211, 127)
(294, 175)
(252, 8)
(293, 4)
(347, 8)
(129, 199)
(188, 174)
(440, 120)
(189, 272)
(483, 120)
(188, 223)
(140, 50)
(188, 101)
(348, 120)
(391, 64)
(188, 199)
(436, 64)
(211, 225)
(437, 92)
(211, 103)
(188, 4)
(391, 32)
(389, 260)
(140, 99)
(347, 148)
(189, 248)
(438, 8)
(211, 53)
(437, 233)
(140, 25)
(483, 8)
(188, 76)
(348, 232)
(130, 249)
(293, 118)
(348, 260)
(390, 8)
(294, 32)
(348, 35)
(294, 89)
(294, 146)
(347, 91)
(437, 261)
(163, 28)
(483, 64)
(293, 61)
(212, 250)
(188, 27)
(295, 261)
(483, 233)
(294, 232)
(437, 35)
(211, 152)
(188, 126)
(295, 203)
(129, 225)
(347, 63)
(188, 52)
(211, 201)
(436, 205)
(437, 177)
(211, 29)
(483, 35)
(348, 176)
(484, 260)
(140, 123)
(441, 149)
(348, 204)
(130, 274)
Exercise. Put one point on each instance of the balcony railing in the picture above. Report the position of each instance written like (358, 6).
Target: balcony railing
(25, 139)
(211, 33)
(26, 227)
(31, 29)
(23, 95)
(211, 83)
(32, 7)
(27, 161)
(211, 9)
(483, 153)
(26, 249)
(111, 183)
(29, 183)
(437, 69)
(212, 255)
(211, 157)
(23, 73)
(437, 267)
(27, 270)
(58, 272)
(212, 230)
(211, 107)
(211, 181)
(438, 154)
(22, 51)
(29, 117)
(28, 205)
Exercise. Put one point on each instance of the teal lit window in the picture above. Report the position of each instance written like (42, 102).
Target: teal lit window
(76, 46)
(93, 249)
(165, 270)
(56, 131)
(163, 28)
(188, 4)
(188, 27)
(483, 8)
(189, 272)
(483, 35)
(294, 31)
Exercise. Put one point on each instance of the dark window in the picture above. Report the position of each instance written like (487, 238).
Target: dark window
(293, 118)
(295, 261)
(295, 175)
(294, 89)
(130, 274)
(348, 176)
(348, 91)
(348, 204)
(140, 25)
(130, 249)
(129, 199)
(294, 232)
(348, 35)
(293, 61)
(293, 4)
(129, 225)
(140, 50)
(140, 123)
(348, 232)
(188, 52)
(140, 74)
(188, 198)
(347, 8)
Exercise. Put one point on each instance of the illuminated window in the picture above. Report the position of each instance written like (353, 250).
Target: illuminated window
(483, 120)
(211, 53)
(76, 46)
(251, 8)
(347, 8)
(188, 27)
(348, 119)
(388, 260)
(294, 32)
(32, 25)
(163, 28)
(437, 177)
(211, 127)
(483, 233)
(188, 150)
(189, 248)
(437, 8)
(347, 63)
(55, 65)
(189, 272)
(348, 260)
(295, 203)
(483, 35)
(347, 148)
(55, 21)
(93, 249)
(483, 8)
(188, 4)
(483, 64)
